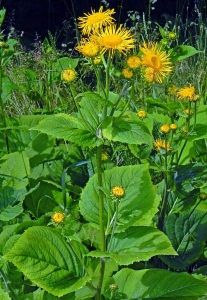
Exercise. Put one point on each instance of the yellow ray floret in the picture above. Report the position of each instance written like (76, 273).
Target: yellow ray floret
(158, 60)
(96, 20)
(112, 39)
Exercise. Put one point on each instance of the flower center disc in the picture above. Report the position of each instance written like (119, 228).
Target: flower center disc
(156, 63)
(112, 40)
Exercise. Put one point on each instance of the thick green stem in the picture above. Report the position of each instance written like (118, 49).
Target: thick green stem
(2, 112)
(101, 222)
(8, 286)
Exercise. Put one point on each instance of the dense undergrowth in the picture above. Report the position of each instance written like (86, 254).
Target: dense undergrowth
(103, 162)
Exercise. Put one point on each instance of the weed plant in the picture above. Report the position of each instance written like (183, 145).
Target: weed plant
(103, 161)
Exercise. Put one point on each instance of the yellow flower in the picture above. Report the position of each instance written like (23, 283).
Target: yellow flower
(203, 196)
(188, 111)
(141, 114)
(185, 129)
(97, 60)
(187, 93)
(3, 45)
(173, 126)
(58, 217)
(149, 74)
(165, 128)
(127, 73)
(157, 59)
(118, 191)
(160, 144)
(88, 48)
(172, 35)
(68, 75)
(133, 62)
(112, 39)
(96, 20)
(104, 157)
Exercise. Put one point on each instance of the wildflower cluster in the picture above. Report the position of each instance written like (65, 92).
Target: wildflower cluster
(103, 36)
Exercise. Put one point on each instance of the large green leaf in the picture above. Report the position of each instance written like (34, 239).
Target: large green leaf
(137, 244)
(48, 260)
(69, 128)
(4, 295)
(157, 284)
(138, 202)
(11, 203)
(16, 167)
(187, 234)
(128, 129)
(182, 52)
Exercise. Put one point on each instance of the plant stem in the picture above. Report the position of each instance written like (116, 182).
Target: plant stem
(8, 286)
(101, 222)
(2, 110)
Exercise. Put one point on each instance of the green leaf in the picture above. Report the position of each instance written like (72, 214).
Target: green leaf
(182, 52)
(187, 235)
(16, 167)
(4, 295)
(156, 283)
(69, 128)
(48, 260)
(10, 204)
(137, 244)
(138, 202)
(2, 15)
(169, 106)
(65, 63)
(128, 129)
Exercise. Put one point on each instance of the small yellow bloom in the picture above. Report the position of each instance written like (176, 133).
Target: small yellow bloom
(188, 111)
(68, 75)
(172, 35)
(104, 157)
(113, 286)
(173, 126)
(112, 39)
(160, 144)
(88, 48)
(3, 45)
(118, 191)
(127, 73)
(133, 62)
(96, 20)
(142, 114)
(203, 196)
(187, 93)
(158, 60)
(58, 217)
(185, 129)
(149, 74)
(97, 60)
(165, 128)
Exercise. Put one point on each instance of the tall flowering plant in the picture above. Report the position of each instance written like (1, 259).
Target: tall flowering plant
(123, 243)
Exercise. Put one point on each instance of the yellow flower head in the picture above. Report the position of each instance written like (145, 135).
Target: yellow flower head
(173, 126)
(88, 48)
(203, 196)
(127, 73)
(118, 191)
(187, 93)
(172, 35)
(188, 111)
(104, 157)
(96, 20)
(165, 128)
(3, 45)
(133, 62)
(58, 217)
(142, 114)
(149, 74)
(68, 75)
(160, 145)
(157, 59)
(112, 39)
(97, 60)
